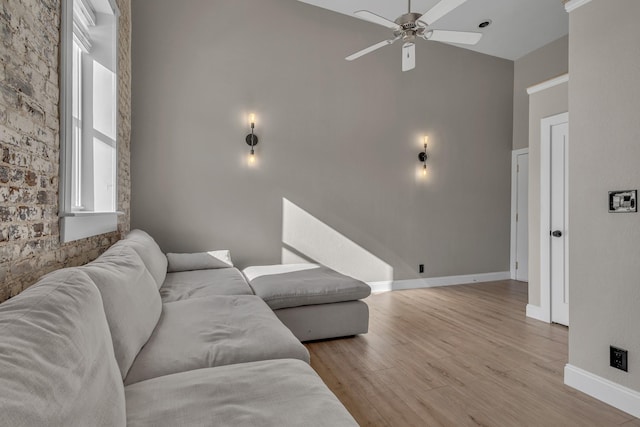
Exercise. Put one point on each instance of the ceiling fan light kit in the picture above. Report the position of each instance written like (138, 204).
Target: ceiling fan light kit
(408, 56)
(412, 25)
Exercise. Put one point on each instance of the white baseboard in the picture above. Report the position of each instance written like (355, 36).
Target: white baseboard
(433, 282)
(536, 312)
(611, 393)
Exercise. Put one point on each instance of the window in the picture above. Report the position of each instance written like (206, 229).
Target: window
(88, 118)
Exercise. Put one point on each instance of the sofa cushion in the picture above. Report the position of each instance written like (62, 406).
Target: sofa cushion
(294, 285)
(202, 283)
(57, 366)
(147, 248)
(130, 298)
(267, 393)
(214, 331)
(199, 261)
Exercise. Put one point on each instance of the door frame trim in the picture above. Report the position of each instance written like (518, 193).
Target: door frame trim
(514, 208)
(545, 213)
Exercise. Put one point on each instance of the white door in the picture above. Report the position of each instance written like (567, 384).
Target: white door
(522, 217)
(557, 234)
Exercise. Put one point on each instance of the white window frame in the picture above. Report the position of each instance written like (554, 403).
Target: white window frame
(78, 222)
(76, 137)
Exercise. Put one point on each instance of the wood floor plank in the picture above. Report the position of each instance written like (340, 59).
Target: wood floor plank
(457, 356)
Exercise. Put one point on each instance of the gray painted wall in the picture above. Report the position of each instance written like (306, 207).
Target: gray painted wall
(337, 172)
(543, 104)
(542, 64)
(604, 101)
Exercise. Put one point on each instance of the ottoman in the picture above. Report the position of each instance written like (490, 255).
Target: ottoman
(312, 300)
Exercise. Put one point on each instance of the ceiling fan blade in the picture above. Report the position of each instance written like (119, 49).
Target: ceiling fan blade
(370, 49)
(408, 56)
(376, 19)
(461, 37)
(439, 10)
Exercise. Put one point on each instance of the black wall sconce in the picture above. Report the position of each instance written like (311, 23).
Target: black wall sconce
(252, 139)
(423, 156)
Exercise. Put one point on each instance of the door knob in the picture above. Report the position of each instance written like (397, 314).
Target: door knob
(557, 233)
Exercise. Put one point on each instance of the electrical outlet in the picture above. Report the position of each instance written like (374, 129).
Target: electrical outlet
(421, 268)
(618, 358)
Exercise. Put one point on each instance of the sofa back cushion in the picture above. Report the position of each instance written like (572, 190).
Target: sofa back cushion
(199, 261)
(130, 297)
(150, 252)
(57, 366)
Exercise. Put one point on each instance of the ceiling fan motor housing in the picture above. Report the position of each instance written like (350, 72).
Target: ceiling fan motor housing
(409, 29)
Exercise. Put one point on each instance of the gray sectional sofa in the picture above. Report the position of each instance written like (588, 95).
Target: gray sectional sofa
(120, 341)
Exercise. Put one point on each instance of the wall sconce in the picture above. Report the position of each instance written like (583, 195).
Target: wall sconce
(252, 139)
(423, 156)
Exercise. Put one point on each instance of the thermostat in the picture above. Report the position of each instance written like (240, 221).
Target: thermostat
(623, 201)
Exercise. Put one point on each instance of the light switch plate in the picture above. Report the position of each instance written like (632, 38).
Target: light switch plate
(623, 201)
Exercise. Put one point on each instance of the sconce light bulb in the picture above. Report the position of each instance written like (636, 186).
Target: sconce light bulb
(424, 170)
(252, 158)
(425, 139)
(252, 119)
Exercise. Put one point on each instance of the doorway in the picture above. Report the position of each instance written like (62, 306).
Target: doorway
(520, 215)
(554, 229)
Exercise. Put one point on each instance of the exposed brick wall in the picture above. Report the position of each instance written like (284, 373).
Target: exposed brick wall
(30, 146)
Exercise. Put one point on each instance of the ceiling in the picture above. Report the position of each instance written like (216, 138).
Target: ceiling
(518, 27)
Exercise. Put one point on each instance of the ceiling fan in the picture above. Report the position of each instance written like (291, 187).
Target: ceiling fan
(411, 25)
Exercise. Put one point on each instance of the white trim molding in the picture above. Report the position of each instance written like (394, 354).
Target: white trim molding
(434, 282)
(572, 5)
(547, 84)
(514, 207)
(614, 394)
(536, 312)
(76, 226)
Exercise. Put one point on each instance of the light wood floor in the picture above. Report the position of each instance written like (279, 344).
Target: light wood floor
(457, 356)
